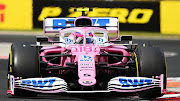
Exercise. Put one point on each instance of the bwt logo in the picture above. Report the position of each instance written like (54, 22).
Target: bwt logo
(100, 40)
(61, 23)
(68, 40)
(39, 83)
(86, 58)
(2, 8)
(134, 82)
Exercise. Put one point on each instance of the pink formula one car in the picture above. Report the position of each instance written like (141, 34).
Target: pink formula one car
(82, 58)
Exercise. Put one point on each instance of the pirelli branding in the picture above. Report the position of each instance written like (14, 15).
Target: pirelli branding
(143, 16)
(2, 9)
(16, 14)
(123, 13)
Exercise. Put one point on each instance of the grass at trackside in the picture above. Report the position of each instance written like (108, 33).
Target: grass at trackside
(136, 34)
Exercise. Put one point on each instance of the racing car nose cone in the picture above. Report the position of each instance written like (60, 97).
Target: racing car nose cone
(86, 69)
(87, 81)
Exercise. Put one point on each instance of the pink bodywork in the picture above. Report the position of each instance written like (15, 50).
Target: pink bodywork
(85, 56)
(86, 69)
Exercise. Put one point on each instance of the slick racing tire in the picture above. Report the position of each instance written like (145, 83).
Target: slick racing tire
(23, 63)
(151, 62)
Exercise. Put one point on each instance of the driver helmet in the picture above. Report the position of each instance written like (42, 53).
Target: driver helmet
(79, 37)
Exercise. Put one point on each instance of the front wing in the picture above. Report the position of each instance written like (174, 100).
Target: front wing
(56, 85)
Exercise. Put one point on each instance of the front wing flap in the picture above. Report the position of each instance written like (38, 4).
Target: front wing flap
(56, 85)
(132, 84)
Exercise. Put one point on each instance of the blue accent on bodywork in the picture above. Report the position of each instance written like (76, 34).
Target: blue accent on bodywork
(61, 23)
(135, 82)
(38, 83)
(86, 58)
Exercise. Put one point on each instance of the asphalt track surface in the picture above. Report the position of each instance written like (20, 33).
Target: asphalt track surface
(171, 48)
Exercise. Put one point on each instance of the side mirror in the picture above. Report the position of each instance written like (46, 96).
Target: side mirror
(126, 38)
(42, 38)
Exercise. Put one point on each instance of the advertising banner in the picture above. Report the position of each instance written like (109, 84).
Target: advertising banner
(137, 16)
(16, 14)
(170, 17)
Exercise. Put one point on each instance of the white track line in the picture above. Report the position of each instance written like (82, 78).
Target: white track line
(174, 78)
(170, 95)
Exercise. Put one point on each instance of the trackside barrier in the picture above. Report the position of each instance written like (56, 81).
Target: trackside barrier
(16, 14)
(133, 15)
(170, 17)
(160, 16)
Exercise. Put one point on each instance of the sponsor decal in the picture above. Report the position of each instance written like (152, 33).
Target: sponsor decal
(135, 82)
(12, 82)
(39, 83)
(2, 9)
(68, 40)
(87, 75)
(86, 64)
(100, 22)
(49, 12)
(61, 23)
(86, 58)
(169, 11)
(16, 14)
(136, 16)
(142, 16)
(57, 23)
(100, 40)
(87, 81)
(86, 69)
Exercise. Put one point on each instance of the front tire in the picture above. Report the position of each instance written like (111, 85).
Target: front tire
(23, 63)
(151, 62)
